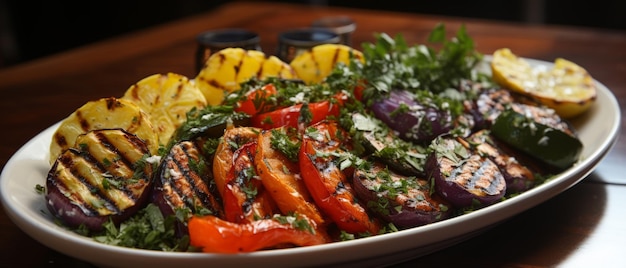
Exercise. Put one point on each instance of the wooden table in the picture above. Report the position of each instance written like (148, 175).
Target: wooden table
(583, 226)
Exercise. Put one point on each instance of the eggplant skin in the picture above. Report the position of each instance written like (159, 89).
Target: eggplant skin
(402, 200)
(519, 176)
(464, 178)
(419, 123)
(184, 181)
(489, 104)
(103, 177)
(492, 102)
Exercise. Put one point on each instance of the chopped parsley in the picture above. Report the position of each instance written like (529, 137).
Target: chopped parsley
(297, 222)
(40, 189)
(148, 229)
(392, 64)
(285, 141)
(207, 122)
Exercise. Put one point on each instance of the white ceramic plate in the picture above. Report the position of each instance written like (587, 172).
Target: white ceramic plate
(598, 130)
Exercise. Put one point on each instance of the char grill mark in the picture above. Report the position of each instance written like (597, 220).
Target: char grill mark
(187, 187)
(99, 176)
(477, 173)
(86, 174)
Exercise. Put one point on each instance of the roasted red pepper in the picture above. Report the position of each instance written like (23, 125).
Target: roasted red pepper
(218, 236)
(256, 101)
(245, 199)
(289, 116)
(326, 182)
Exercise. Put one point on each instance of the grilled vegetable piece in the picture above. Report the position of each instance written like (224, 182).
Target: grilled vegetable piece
(233, 138)
(313, 65)
(166, 98)
(382, 143)
(102, 114)
(185, 182)
(255, 100)
(281, 176)
(245, 198)
(214, 235)
(543, 115)
(404, 201)
(412, 120)
(551, 144)
(463, 178)
(209, 122)
(489, 104)
(104, 176)
(567, 88)
(328, 185)
(519, 177)
(225, 70)
(299, 115)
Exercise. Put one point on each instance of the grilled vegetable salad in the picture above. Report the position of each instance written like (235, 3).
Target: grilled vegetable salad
(378, 140)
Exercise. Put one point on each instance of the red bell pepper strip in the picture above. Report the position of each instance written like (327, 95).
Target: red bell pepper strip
(328, 185)
(288, 116)
(245, 199)
(219, 236)
(255, 101)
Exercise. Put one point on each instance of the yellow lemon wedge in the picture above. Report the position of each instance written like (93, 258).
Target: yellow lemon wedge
(566, 87)
(313, 65)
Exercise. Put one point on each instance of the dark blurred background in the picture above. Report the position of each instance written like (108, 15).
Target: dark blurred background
(34, 29)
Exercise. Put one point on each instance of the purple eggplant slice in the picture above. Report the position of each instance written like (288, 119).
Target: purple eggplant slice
(185, 182)
(404, 201)
(492, 102)
(518, 176)
(464, 178)
(105, 176)
(413, 121)
(489, 104)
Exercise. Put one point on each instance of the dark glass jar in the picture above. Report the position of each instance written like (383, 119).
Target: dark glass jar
(211, 41)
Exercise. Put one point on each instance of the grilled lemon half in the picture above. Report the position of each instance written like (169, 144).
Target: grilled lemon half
(166, 98)
(313, 65)
(567, 88)
(226, 69)
(103, 114)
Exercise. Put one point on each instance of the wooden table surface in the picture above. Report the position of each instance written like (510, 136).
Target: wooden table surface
(581, 227)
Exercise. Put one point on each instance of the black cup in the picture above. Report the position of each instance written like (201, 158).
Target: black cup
(294, 42)
(344, 26)
(211, 41)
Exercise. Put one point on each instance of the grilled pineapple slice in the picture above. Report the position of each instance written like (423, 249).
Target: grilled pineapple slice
(166, 98)
(105, 174)
(226, 69)
(101, 114)
(313, 65)
(567, 88)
